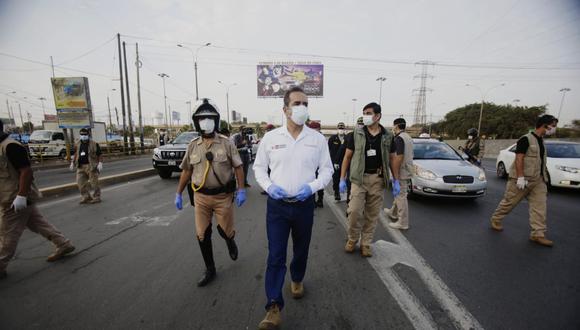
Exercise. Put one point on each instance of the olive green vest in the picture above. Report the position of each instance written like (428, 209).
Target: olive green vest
(357, 164)
(532, 161)
(10, 179)
(93, 158)
(407, 168)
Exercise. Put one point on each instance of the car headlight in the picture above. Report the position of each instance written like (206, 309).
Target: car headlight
(157, 152)
(425, 174)
(567, 168)
(481, 176)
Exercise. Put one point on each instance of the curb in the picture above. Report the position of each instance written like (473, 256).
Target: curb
(104, 181)
(63, 164)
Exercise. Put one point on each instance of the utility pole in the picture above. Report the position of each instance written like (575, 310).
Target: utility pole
(122, 93)
(353, 120)
(42, 99)
(170, 117)
(421, 105)
(190, 116)
(380, 80)
(564, 91)
(110, 120)
(227, 98)
(21, 120)
(131, 133)
(52, 66)
(163, 76)
(138, 65)
(117, 115)
(9, 115)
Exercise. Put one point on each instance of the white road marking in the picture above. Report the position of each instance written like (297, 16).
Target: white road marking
(387, 254)
(161, 220)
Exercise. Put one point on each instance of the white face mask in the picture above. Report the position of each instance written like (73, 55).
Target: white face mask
(470, 137)
(551, 131)
(368, 120)
(207, 125)
(299, 114)
(340, 132)
(84, 137)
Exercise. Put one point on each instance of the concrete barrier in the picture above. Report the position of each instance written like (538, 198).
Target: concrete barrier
(103, 181)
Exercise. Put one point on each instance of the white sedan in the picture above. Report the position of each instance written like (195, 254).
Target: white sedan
(563, 163)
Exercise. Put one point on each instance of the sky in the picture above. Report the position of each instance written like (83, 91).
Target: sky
(531, 46)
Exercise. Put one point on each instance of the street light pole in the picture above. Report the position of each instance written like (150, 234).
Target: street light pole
(163, 76)
(227, 98)
(195, 64)
(483, 95)
(42, 99)
(353, 105)
(380, 80)
(190, 116)
(563, 90)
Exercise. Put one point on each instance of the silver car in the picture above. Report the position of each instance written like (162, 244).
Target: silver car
(441, 171)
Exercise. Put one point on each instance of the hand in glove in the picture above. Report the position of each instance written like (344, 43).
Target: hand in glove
(100, 167)
(304, 192)
(521, 183)
(72, 166)
(178, 201)
(396, 188)
(240, 197)
(342, 186)
(19, 203)
(276, 192)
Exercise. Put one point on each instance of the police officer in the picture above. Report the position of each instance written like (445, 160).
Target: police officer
(209, 163)
(87, 160)
(334, 143)
(474, 147)
(402, 167)
(244, 146)
(18, 209)
(367, 157)
(527, 178)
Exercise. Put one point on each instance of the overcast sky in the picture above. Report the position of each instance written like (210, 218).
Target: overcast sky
(533, 46)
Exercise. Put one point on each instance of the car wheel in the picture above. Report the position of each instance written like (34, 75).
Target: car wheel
(549, 183)
(501, 171)
(164, 174)
(62, 154)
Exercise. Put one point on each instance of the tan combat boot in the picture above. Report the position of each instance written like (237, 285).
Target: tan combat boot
(496, 226)
(350, 245)
(272, 320)
(365, 251)
(60, 252)
(297, 289)
(541, 241)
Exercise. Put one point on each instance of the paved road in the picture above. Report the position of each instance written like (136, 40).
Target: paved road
(137, 263)
(58, 176)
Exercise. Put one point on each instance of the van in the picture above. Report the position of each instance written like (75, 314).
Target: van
(47, 143)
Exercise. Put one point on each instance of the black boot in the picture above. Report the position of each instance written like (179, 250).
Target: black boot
(232, 247)
(207, 253)
(336, 196)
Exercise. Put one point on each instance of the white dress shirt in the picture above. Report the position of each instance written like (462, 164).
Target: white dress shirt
(293, 163)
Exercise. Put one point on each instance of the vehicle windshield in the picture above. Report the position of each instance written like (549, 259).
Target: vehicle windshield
(185, 138)
(563, 150)
(41, 135)
(434, 151)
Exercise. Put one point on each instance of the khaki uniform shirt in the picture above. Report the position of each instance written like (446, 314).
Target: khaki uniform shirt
(225, 159)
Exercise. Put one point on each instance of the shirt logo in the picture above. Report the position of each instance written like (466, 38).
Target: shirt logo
(278, 146)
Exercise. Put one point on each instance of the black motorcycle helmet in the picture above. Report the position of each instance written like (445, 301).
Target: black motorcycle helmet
(204, 110)
(472, 131)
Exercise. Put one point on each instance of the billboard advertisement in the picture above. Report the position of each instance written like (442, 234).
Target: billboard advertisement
(73, 118)
(275, 78)
(71, 93)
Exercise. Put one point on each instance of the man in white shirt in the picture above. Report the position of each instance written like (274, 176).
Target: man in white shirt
(293, 153)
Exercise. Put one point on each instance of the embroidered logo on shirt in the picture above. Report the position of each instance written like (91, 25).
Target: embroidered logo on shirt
(278, 146)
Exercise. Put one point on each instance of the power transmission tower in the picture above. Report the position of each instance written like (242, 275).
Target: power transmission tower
(421, 103)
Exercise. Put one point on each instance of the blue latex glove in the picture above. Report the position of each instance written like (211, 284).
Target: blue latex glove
(304, 192)
(396, 188)
(342, 186)
(240, 197)
(276, 192)
(178, 201)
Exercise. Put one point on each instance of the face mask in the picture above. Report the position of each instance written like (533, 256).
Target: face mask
(207, 125)
(551, 131)
(299, 114)
(84, 137)
(470, 137)
(368, 120)
(340, 132)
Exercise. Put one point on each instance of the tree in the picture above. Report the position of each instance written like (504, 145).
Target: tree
(148, 131)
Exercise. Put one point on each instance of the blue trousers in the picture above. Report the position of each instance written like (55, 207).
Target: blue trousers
(283, 218)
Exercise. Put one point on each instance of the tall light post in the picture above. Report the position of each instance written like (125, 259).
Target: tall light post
(194, 54)
(190, 116)
(380, 80)
(564, 91)
(42, 99)
(353, 106)
(227, 98)
(163, 76)
(483, 95)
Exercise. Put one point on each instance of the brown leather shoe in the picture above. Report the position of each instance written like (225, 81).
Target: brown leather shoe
(365, 251)
(272, 320)
(541, 241)
(496, 226)
(350, 245)
(61, 252)
(86, 200)
(95, 200)
(297, 289)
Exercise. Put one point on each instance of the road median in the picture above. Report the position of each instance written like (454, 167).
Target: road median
(103, 181)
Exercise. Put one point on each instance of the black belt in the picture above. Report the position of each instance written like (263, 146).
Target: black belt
(228, 188)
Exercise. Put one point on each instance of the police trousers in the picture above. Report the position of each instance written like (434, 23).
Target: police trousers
(536, 192)
(220, 205)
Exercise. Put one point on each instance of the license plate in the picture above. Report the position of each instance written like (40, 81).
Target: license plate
(459, 189)
(171, 163)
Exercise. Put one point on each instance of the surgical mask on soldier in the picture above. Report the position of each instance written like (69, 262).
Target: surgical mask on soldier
(368, 120)
(340, 132)
(84, 137)
(470, 137)
(207, 125)
(299, 114)
(551, 130)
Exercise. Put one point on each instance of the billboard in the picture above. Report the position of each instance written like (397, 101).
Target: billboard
(73, 118)
(72, 101)
(275, 78)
